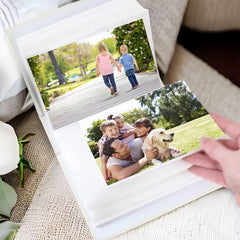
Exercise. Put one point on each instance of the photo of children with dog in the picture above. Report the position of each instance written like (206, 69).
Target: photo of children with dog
(147, 131)
(84, 77)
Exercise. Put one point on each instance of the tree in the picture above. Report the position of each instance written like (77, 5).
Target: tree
(132, 116)
(172, 105)
(94, 132)
(58, 71)
(84, 54)
(135, 37)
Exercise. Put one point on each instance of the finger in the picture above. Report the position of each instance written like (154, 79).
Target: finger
(214, 149)
(232, 144)
(209, 174)
(202, 160)
(231, 128)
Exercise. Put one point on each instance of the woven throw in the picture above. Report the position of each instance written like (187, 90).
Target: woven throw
(166, 18)
(214, 91)
(39, 152)
(213, 15)
(54, 214)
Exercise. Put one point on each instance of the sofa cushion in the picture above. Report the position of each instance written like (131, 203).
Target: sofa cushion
(166, 19)
(212, 15)
(214, 91)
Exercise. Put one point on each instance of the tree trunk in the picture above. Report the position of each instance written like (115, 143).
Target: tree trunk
(57, 70)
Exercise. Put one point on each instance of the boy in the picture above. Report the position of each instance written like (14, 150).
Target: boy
(110, 130)
(128, 62)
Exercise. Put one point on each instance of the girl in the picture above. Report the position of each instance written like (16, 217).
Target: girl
(142, 127)
(103, 62)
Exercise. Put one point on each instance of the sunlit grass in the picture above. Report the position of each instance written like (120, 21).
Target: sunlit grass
(187, 136)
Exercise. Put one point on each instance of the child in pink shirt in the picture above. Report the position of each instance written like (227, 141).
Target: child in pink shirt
(103, 62)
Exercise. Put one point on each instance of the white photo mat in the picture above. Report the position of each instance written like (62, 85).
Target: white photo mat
(109, 210)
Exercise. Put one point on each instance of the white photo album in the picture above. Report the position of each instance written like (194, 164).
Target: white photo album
(93, 78)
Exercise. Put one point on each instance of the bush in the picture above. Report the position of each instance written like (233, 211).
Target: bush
(94, 149)
(45, 98)
(89, 76)
(134, 36)
(57, 93)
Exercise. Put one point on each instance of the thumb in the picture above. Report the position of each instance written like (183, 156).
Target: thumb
(214, 149)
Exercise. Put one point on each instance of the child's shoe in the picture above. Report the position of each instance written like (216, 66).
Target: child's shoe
(112, 90)
(134, 86)
(116, 93)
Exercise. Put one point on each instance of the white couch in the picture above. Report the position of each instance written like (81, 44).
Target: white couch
(46, 207)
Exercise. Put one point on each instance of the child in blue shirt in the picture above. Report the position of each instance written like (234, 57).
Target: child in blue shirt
(128, 62)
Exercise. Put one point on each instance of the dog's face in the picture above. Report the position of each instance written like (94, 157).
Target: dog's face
(160, 135)
(159, 138)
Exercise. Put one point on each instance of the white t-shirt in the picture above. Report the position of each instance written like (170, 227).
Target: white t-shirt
(136, 154)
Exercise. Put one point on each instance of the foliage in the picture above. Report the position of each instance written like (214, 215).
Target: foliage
(8, 198)
(89, 76)
(45, 98)
(172, 105)
(8, 230)
(94, 132)
(23, 162)
(132, 116)
(59, 90)
(93, 147)
(135, 37)
(110, 43)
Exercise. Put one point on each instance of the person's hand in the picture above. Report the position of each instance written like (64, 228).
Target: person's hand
(219, 160)
(119, 68)
(137, 68)
(151, 153)
(97, 73)
(166, 155)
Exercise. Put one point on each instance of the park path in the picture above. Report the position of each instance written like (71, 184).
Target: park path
(94, 96)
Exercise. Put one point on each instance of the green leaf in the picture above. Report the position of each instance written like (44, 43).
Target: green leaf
(21, 174)
(27, 163)
(8, 230)
(8, 198)
(28, 135)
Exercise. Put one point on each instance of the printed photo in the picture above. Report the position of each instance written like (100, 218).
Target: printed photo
(87, 76)
(147, 131)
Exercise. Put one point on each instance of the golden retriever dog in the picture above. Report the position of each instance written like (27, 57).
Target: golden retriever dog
(160, 138)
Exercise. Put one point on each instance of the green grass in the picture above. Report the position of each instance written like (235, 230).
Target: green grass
(59, 90)
(187, 136)
(76, 70)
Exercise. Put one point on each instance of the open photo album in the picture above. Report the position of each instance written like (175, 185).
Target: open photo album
(119, 134)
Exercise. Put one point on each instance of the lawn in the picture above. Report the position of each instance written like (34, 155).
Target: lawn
(76, 70)
(186, 136)
(59, 90)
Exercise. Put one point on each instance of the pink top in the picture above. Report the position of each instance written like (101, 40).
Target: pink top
(105, 65)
